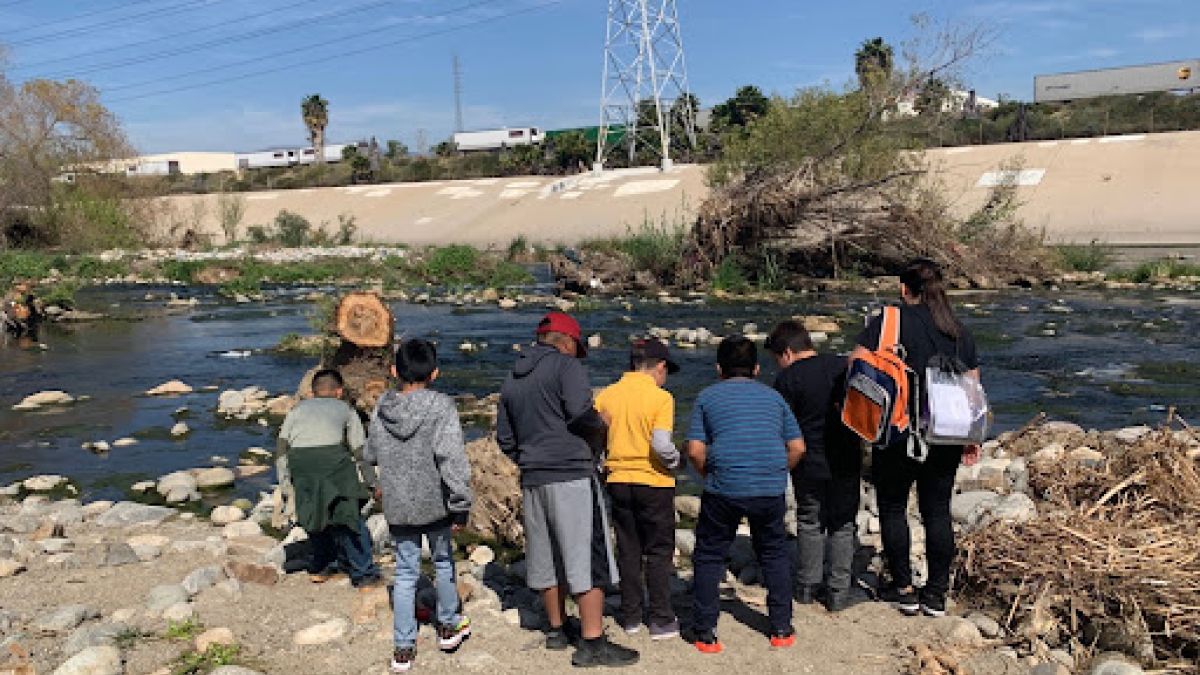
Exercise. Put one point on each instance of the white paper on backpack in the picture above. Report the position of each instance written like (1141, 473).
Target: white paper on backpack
(954, 417)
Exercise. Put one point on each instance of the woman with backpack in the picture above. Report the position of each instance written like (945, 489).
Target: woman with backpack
(928, 331)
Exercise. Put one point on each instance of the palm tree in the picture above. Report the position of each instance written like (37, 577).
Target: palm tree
(873, 62)
(315, 111)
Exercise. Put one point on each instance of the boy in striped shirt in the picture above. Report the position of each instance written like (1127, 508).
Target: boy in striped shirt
(744, 440)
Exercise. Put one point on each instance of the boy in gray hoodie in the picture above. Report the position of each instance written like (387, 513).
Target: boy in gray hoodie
(416, 440)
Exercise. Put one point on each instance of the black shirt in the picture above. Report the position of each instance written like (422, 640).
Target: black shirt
(922, 339)
(814, 388)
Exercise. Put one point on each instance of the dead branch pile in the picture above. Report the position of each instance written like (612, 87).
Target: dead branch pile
(1113, 562)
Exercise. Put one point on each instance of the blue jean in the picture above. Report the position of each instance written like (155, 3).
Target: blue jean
(350, 549)
(408, 572)
(715, 531)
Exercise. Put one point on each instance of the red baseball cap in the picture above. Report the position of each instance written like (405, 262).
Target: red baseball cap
(557, 322)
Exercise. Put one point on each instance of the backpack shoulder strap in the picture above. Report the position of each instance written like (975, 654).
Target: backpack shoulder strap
(889, 329)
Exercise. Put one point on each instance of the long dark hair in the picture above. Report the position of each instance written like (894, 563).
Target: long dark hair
(923, 278)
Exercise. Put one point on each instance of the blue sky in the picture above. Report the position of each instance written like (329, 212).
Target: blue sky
(523, 61)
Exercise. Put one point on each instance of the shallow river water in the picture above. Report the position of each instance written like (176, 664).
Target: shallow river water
(1101, 359)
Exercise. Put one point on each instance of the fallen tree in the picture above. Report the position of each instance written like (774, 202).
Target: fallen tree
(1112, 562)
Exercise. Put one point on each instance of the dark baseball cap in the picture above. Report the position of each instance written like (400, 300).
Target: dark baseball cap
(650, 348)
(558, 322)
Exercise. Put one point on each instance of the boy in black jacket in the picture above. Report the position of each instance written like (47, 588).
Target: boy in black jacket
(827, 481)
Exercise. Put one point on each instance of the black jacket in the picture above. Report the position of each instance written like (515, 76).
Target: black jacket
(546, 422)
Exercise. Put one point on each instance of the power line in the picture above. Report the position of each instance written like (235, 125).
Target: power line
(70, 19)
(177, 8)
(216, 42)
(161, 38)
(352, 52)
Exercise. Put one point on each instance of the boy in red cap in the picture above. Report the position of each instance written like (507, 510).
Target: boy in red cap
(641, 461)
(546, 424)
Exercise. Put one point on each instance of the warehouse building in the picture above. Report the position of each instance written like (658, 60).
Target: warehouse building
(1145, 79)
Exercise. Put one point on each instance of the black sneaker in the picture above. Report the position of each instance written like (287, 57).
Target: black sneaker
(933, 604)
(601, 652)
(558, 639)
(903, 599)
(402, 659)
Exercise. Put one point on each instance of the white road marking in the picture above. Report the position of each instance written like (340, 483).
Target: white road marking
(642, 187)
(1022, 178)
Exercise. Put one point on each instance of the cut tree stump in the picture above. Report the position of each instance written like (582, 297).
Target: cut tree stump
(363, 319)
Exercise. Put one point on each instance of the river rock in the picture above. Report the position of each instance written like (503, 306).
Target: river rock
(180, 430)
(1015, 508)
(10, 568)
(251, 573)
(223, 515)
(1132, 434)
(43, 483)
(142, 486)
(957, 631)
(64, 618)
(102, 660)
(94, 510)
(216, 477)
(507, 303)
(161, 597)
(97, 447)
(56, 545)
(685, 541)
(1087, 457)
(322, 633)
(179, 612)
(1061, 428)
(687, 506)
(969, 508)
(125, 442)
(988, 627)
(1052, 668)
(1113, 664)
(178, 487)
(239, 529)
(1048, 454)
(114, 554)
(172, 388)
(201, 578)
(94, 635)
(482, 555)
(214, 636)
(44, 398)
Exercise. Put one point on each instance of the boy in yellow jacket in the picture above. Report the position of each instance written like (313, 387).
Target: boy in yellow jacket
(641, 459)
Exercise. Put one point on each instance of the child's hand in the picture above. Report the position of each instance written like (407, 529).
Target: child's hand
(378, 493)
(970, 456)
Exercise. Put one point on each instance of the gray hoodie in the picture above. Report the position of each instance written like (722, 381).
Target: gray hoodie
(416, 441)
(546, 422)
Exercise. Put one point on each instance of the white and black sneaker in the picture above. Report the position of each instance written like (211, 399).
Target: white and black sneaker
(933, 604)
(903, 599)
(402, 659)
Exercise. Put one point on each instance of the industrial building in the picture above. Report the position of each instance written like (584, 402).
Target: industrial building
(1144, 79)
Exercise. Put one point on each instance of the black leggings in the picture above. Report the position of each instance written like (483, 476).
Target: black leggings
(894, 474)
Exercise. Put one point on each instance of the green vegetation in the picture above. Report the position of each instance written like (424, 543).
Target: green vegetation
(1161, 270)
(728, 276)
(1092, 257)
(183, 630)
(195, 663)
(37, 265)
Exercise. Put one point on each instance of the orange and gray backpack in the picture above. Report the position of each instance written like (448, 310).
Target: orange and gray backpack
(881, 391)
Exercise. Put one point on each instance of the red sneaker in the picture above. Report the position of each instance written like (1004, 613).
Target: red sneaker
(782, 640)
(707, 643)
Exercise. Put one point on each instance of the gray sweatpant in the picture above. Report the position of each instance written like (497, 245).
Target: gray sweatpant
(567, 541)
(825, 512)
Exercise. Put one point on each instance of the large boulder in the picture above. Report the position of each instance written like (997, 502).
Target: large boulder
(131, 513)
(43, 399)
(178, 487)
(172, 388)
(216, 477)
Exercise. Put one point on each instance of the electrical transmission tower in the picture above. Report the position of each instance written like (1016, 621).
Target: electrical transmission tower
(644, 99)
(458, 116)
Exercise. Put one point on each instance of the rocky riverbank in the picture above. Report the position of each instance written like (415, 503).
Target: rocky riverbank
(141, 588)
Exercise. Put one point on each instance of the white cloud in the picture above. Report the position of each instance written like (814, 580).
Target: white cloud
(1162, 33)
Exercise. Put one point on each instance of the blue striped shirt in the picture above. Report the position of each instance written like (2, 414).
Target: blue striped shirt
(746, 426)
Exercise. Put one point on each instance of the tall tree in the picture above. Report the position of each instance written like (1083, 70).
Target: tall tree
(874, 62)
(746, 105)
(315, 112)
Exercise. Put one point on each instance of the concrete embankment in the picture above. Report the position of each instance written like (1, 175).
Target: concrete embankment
(1126, 190)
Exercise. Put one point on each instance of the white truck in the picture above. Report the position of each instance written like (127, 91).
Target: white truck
(497, 139)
